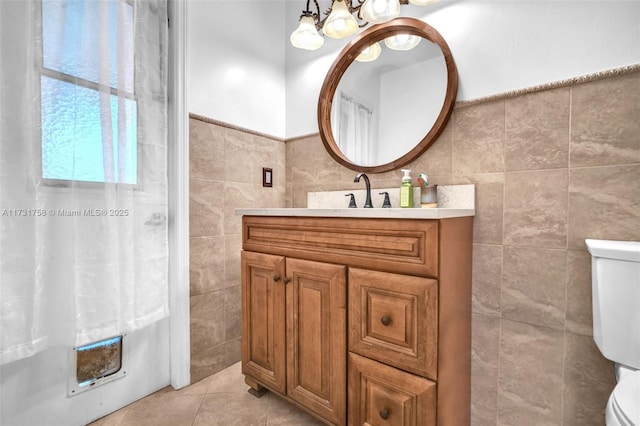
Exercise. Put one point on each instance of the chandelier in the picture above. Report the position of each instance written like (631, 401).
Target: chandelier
(339, 21)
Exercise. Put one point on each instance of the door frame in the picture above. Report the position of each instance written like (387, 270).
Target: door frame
(178, 163)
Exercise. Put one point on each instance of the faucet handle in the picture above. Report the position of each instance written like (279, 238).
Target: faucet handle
(386, 204)
(352, 201)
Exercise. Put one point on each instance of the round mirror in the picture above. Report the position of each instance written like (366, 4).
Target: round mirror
(388, 96)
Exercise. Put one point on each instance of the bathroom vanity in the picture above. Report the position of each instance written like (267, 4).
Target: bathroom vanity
(360, 316)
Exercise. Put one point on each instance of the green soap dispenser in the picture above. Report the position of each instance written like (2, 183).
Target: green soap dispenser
(406, 189)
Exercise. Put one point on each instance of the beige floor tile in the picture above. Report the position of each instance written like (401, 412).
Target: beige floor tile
(228, 380)
(232, 409)
(219, 400)
(112, 419)
(168, 409)
(283, 413)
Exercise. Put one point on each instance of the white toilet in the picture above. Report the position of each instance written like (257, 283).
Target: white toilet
(615, 267)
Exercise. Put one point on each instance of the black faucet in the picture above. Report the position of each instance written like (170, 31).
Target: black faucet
(386, 204)
(352, 200)
(367, 202)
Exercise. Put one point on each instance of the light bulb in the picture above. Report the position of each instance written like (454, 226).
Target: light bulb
(379, 6)
(370, 53)
(306, 36)
(340, 23)
(379, 11)
(422, 2)
(402, 41)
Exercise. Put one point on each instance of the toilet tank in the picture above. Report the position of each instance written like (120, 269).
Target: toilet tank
(615, 268)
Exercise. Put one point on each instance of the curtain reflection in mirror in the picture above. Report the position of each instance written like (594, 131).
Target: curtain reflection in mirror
(354, 130)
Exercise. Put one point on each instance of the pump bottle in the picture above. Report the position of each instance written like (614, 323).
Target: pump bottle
(406, 189)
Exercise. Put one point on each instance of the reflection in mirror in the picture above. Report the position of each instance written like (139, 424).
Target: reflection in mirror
(373, 116)
(378, 111)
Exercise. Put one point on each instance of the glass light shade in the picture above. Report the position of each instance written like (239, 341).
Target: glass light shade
(369, 54)
(306, 36)
(402, 42)
(423, 2)
(379, 11)
(340, 23)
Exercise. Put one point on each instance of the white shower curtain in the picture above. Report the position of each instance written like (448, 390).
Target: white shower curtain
(83, 169)
(355, 132)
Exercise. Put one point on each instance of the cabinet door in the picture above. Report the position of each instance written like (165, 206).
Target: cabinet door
(316, 332)
(380, 395)
(394, 319)
(263, 319)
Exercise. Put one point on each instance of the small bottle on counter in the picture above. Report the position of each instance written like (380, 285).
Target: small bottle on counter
(428, 194)
(406, 189)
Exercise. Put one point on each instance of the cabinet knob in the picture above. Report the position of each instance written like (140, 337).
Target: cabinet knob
(385, 320)
(276, 278)
(384, 413)
(286, 280)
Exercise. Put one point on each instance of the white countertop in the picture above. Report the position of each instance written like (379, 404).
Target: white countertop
(394, 213)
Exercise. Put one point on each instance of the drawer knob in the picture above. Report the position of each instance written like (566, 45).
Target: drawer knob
(385, 320)
(384, 413)
(276, 278)
(286, 280)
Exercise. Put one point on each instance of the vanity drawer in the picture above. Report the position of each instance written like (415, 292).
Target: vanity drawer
(394, 319)
(380, 395)
(407, 246)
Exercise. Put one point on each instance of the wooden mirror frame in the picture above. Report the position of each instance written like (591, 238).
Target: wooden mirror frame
(348, 55)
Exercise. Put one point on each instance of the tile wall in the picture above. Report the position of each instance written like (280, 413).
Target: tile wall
(551, 168)
(225, 174)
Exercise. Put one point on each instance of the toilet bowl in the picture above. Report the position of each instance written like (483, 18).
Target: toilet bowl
(623, 407)
(615, 271)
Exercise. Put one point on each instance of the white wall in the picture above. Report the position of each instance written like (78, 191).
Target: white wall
(406, 119)
(507, 45)
(498, 46)
(236, 63)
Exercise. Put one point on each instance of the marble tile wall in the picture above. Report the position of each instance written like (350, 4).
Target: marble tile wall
(225, 174)
(551, 168)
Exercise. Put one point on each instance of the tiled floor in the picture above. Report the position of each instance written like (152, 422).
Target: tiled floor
(221, 399)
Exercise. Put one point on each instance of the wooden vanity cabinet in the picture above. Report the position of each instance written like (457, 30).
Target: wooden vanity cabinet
(263, 321)
(360, 321)
(393, 318)
(294, 331)
(380, 395)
